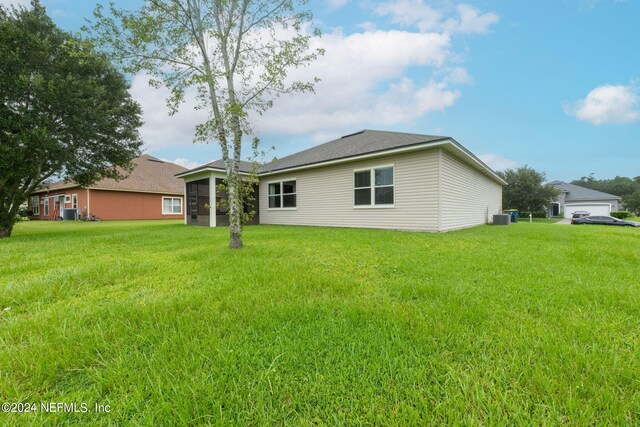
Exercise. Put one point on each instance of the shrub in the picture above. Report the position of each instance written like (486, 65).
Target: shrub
(621, 215)
(23, 212)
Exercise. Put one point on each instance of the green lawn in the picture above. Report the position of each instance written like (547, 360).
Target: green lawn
(527, 324)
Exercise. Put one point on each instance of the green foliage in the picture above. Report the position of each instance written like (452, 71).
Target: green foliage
(621, 215)
(321, 326)
(236, 54)
(246, 191)
(25, 212)
(618, 186)
(65, 111)
(631, 202)
(525, 190)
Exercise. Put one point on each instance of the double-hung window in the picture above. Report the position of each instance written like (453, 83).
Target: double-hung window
(35, 205)
(171, 205)
(373, 187)
(282, 195)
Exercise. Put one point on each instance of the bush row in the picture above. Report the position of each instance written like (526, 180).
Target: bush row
(621, 215)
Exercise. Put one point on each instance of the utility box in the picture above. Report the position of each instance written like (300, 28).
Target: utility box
(71, 214)
(502, 219)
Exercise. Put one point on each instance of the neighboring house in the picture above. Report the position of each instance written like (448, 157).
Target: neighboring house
(370, 179)
(150, 191)
(573, 198)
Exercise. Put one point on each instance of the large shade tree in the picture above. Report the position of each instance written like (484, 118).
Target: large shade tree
(65, 111)
(526, 190)
(236, 55)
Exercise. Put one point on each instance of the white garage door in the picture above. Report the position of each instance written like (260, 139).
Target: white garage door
(593, 208)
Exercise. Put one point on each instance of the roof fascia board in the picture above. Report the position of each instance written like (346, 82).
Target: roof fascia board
(205, 169)
(479, 163)
(66, 187)
(62, 187)
(587, 199)
(135, 191)
(414, 147)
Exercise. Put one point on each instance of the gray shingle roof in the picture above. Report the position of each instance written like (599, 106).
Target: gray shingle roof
(363, 142)
(219, 164)
(575, 192)
(349, 146)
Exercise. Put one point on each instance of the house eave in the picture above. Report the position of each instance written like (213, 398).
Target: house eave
(445, 142)
(204, 169)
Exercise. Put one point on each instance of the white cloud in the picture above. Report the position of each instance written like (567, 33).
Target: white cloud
(415, 13)
(16, 3)
(471, 21)
(607, 104)
(183, 162)
(411, 13)
(498, 163)
(364, 83)
(371, 78)
(458, 75)
(368, 26)
(160, 130)
(337, 4)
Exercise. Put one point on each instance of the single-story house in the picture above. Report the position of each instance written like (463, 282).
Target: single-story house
(370, 179)
(573, 198)
(150, 191)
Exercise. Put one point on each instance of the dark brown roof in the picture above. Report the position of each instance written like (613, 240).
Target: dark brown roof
(150, 174)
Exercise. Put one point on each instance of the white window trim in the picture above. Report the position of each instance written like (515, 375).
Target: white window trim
(172, 213)
(74, 201)
(45, 207)
(67, 198)
(373, 187)
(280, 181)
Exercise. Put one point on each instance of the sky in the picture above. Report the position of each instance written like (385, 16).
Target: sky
(551, 84)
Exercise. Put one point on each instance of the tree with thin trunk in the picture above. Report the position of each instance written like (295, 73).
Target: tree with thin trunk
(65, 111)
(236, 54)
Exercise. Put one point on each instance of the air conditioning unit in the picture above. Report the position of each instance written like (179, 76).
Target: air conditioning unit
(502, 219)
(71, 214)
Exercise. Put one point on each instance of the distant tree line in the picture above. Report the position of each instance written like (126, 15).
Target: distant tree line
(627, 188)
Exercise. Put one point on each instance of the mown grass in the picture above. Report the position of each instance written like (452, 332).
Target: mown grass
(522, 325)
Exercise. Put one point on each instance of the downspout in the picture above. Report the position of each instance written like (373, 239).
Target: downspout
(88, 204)
(212, 200)
(440, 165)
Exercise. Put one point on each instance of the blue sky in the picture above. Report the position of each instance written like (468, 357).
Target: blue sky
(549, 84)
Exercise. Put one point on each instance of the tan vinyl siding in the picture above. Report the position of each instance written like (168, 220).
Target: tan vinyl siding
(325, 195)
(468, 196)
